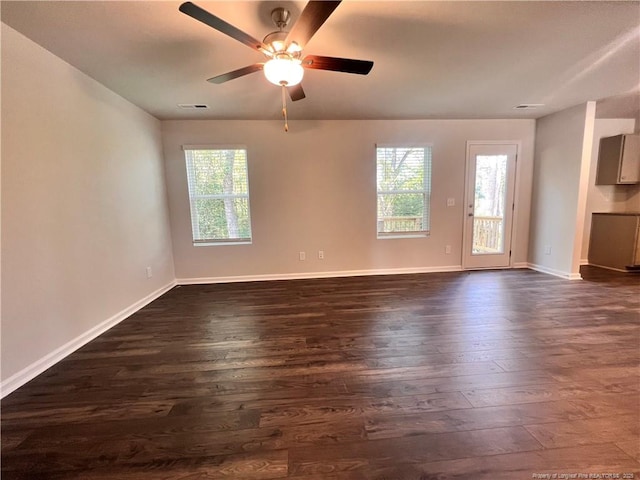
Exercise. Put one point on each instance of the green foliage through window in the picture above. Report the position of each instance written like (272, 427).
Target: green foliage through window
(219, 195)
(404, 190)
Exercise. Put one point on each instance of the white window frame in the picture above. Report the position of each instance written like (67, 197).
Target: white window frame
(198, 242)
(425, 191)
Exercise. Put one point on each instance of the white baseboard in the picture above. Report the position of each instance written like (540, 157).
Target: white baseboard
(584, 261)
(36, 368)
(520, 265)
(308, 275)
(554, 272)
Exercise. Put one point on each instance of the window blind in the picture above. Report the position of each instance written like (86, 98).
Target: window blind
(218, 194)
(404, 190)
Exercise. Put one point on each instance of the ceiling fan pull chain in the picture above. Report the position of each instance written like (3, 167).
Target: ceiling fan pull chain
(284, 108)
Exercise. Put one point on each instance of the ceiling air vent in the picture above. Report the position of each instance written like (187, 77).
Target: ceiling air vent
(528, 106)
(193, 106)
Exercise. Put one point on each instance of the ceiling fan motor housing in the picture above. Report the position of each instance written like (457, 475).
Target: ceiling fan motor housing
(278, 40)
(280, 17)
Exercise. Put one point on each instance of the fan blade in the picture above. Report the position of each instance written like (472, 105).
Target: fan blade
(296, 92)
(207, 18)
(241, 72)
(346, 65)
(311, 19)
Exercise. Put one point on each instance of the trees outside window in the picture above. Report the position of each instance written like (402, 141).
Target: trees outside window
(404, 190)
(218, 194)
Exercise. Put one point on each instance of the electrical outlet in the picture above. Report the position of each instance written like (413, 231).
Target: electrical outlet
(149, 272)
(303, 256)
(547, 249)
(320, 254)
(447, 249)
(451, 202)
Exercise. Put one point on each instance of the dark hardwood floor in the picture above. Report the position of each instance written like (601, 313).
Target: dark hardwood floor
(475, 375)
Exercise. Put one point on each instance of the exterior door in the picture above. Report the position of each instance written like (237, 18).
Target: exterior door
(491, 173)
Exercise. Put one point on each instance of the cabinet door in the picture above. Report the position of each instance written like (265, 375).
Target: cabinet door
(612, 242)
(609, 155)
(630, 162)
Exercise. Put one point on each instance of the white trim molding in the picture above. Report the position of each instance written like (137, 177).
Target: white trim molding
(554, 272)
(36, 368)
(308, 275)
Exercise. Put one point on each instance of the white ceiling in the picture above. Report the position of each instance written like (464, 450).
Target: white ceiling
(432, 59)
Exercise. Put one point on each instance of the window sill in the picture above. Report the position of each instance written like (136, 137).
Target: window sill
(399, 235)
(220, 244)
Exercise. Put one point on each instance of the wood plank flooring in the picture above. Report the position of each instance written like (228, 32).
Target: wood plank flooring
(474, 375)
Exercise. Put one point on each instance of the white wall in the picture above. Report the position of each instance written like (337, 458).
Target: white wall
(606, 198)
(314, 188)
(83, 208)
(563, 148)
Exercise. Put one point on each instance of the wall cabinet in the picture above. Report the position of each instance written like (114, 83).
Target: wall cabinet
(619, 160)
(615, 241)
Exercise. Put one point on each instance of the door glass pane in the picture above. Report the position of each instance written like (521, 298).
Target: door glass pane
(489, 204)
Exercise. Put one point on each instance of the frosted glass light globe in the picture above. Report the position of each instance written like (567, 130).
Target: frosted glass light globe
(284, 71)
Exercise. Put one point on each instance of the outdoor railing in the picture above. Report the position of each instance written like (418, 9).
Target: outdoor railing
(487, 234)
(400, 224)
(487, 231)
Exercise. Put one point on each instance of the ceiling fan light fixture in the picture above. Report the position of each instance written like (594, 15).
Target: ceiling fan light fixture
(284, 71)
(294, 49)
(276, 41)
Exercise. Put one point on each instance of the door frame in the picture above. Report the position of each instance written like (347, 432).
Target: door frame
(516, 190)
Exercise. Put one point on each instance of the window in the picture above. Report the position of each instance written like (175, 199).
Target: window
(404, 190)
(218, 194)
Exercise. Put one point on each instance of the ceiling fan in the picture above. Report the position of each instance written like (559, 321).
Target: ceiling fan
(284, 65)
